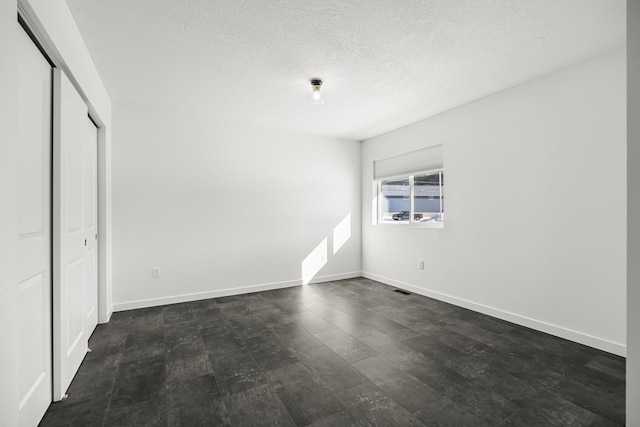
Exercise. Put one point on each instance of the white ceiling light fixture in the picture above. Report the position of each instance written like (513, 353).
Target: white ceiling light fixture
(317, 97)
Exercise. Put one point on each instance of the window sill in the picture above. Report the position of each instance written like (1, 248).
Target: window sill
(437, 225)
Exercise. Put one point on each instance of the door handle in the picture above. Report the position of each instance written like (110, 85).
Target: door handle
(85, 242)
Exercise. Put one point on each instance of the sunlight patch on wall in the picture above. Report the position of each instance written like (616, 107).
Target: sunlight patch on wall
(314, 262)
(341, 233)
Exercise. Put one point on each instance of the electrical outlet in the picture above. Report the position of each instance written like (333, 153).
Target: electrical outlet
(420, 265)
(155, 273)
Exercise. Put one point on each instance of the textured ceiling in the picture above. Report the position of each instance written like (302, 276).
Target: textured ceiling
(385, 63)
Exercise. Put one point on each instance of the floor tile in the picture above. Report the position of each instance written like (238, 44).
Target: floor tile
(269, 353)
(234, 308)
(307, 400)
(145, 413)
(195, 402)
(322, 309)
(236, 372)
(221, 338)
(272, 316)
(608, 404)
(87, 412)
(311, 322)
(341, 419)
(390, 327)
(371, 406)
(248, 326)
(526, 418)
(108, 340)
(354, 327)
(178, 314)
(186, 355)
(486, 322)
(394, 350)
(439, 377)
(147, 320)
(295, 337)
(186, 367)
(138, 380)
(332, 370)
(289, 307)
(433, 347)
(492, 407)
(256, 302)
(95, 379)
(344, 345)
(208, 318)
(405, 389)
(614, 366)
(144, 343)
(207, 305)
(225, 348)
(257, 406)
(446, 413)
(181, 342)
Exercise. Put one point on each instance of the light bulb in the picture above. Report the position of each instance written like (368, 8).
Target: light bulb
(317, 96)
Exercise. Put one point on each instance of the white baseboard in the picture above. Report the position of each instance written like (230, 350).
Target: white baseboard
(332, 277)
(152, 302)
(559, 331)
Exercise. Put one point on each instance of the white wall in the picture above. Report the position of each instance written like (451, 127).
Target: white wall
(535, 206)
(8, 219)
(633, 212)
(224, 208)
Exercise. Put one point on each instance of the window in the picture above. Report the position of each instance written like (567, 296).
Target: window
(395, 200)
(428, 197)
(410, 188)
(414, 199)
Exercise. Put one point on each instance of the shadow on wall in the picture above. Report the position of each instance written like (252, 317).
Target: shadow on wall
(317, 259)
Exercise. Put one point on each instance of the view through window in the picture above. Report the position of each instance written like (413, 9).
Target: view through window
(412, 199)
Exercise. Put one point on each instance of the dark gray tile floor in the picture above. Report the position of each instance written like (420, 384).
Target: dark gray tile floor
(345, 353)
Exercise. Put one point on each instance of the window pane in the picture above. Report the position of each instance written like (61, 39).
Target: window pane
(395, 200)
(428, 194)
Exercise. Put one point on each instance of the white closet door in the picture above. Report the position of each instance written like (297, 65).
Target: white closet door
(91, 227)
(70, 237)
(34, 208)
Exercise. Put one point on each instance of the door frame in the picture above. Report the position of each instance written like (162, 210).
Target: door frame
(105, 304)
(101, 116)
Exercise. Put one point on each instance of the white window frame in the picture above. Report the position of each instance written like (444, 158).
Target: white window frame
(412, 222)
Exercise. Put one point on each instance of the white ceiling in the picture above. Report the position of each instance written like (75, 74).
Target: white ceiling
(385, 63)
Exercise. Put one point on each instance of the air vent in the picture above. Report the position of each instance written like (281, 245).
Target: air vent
(400, 291)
